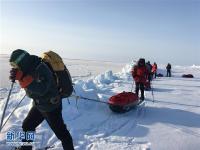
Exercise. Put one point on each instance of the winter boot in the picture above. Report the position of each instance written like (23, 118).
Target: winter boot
(142, 95)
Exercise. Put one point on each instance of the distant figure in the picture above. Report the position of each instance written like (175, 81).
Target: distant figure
(140, 73)
(168, 67)
(149, 68)
(154, 70)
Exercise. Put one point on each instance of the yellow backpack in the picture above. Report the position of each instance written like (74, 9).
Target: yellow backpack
(54, 60)
(61, 74)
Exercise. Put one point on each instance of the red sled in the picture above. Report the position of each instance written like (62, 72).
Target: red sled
(123, 102)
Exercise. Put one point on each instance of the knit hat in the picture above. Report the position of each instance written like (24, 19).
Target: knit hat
(19, 57)
(141, 62)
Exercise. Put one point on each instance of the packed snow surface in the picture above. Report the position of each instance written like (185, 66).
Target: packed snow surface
(171, 122)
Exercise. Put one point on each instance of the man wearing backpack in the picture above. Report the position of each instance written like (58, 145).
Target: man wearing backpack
(168, 67)
(38, 82)
(140, 74)
(149, 68)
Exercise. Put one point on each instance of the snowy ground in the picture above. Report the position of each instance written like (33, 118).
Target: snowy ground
(172, 122)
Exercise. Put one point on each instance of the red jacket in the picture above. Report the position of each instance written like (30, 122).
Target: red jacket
(139, 73)
(154, 68)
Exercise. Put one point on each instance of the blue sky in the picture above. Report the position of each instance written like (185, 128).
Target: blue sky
(116, 30)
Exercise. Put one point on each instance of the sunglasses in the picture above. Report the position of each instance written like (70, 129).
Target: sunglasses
(14, 65)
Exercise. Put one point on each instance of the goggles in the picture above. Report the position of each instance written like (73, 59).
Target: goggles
(14, 65)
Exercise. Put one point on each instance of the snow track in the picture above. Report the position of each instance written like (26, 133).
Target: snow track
(111, 126)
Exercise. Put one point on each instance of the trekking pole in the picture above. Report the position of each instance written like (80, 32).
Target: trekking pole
(132, 84)
(132, 87)
(152, 93)
(13, 111)
(6, 105)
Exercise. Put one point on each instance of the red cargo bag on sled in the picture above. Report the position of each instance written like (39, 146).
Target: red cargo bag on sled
(123, 102)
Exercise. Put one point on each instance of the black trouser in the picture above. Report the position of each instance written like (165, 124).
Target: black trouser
(55, 121)
(139, 86)
(155, 74)
(149, 77)
(168, 73)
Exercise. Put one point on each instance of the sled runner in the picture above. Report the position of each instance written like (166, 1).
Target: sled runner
(123, 102)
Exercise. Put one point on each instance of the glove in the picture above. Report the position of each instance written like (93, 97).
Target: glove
(26, 81)
(15, 74)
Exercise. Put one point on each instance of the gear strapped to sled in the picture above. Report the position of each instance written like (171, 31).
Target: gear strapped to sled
(60, 72)
(123, 102)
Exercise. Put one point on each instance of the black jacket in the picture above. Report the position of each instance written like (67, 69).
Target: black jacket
(43, 89)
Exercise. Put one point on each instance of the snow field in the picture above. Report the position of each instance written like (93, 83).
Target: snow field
(171, 122)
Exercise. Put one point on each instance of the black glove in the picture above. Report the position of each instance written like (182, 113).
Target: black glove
(13, 73)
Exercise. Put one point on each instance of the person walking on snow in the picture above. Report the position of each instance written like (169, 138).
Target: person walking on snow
(140, 73)
(168, 67)
(38, 82)
(149, 68)
(154, 70)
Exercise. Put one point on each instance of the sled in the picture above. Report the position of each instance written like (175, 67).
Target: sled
(187, 76)
(123, 102)
(160, 75)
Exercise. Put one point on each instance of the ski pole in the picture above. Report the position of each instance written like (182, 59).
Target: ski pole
(13, 111)
(6, 105)
(152, 93)
(132, 83)
(132, 87)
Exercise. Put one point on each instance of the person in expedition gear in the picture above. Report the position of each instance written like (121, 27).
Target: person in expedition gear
(38, 82)
(149, 68)
(168, 67)
(140, 73)
(154, 70)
